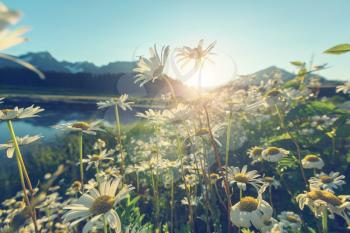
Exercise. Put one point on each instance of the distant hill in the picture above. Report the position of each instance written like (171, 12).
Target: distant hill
(85, 78)
(46, 62)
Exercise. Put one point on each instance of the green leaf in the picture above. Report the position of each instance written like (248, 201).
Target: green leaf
(298, 63)
(311, 230)
(281, 137)
(289, 162)
(247, 231)
(339, 49)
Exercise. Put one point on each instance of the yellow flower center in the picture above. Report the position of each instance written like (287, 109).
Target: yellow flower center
(240, 177)
(202, 131)
(248, 204)
(268, 179)
(326, 179)
(273, 151)
(325, 196)
(81, 125)
(95, 158)
(312, 158)
(102, 204)
(292, 218)
(76, 185)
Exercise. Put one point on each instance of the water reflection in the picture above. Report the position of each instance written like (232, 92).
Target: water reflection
(60, 112)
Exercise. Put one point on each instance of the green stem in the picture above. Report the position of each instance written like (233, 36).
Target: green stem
(172, 203)
(228, 139)
(81, 159)
(119, 136)
(105, 227)
(324, 221)
(295, 142)
(20, 170)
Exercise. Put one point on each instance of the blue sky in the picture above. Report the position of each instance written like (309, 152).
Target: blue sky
(256, 34)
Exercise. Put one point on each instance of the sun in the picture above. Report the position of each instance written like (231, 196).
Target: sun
(220, 70)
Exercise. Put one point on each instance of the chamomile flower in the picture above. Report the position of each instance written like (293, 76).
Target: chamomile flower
(320, 200)
(98, 204)
(154, 116)
(10, 38)
(344, 88)
(120, 102)
(274, 154)
(99, 144)
(312, 161)
(10, 147)
(148, 70)
(290, 220)
(329, 181)
(268, 225)
(81, 126)
(242, 177)
(250, 211)
(19, 113)
(197, 54)
(96, 159)
(255, 153)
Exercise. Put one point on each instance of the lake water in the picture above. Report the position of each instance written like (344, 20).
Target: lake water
(60, 112)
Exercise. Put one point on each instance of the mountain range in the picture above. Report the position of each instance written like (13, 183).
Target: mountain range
(46, 62)
(111, 79)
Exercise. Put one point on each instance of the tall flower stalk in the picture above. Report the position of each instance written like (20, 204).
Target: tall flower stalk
(22, 174)
(324, 221)
(81, 165)
(227, 153)
(295, 142)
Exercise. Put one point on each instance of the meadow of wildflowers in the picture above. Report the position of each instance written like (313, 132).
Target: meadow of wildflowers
(269, 157)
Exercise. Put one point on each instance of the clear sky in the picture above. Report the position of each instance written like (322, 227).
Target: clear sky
(255, 33)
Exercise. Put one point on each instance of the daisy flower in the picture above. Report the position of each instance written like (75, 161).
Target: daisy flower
(10, 147)
(255, 153)
(344, 88)
(329, 181)
(99, 144)
(320, 200)
(10, 38)
(312, 161)
(242, 177)
(274, 154)
(250, 211)
(81, 126)
(19, 113)
(268, 225)
(290, 220)
(155, 116)
(98, 204)
(197, 54)
(96, 159)
(1, 100)
(153, 68)
(120, 102)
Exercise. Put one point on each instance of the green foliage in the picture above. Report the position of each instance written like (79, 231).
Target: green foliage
(289, 162)
(245, 230)
(338, 49)
(298, 63)
(132, 217)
